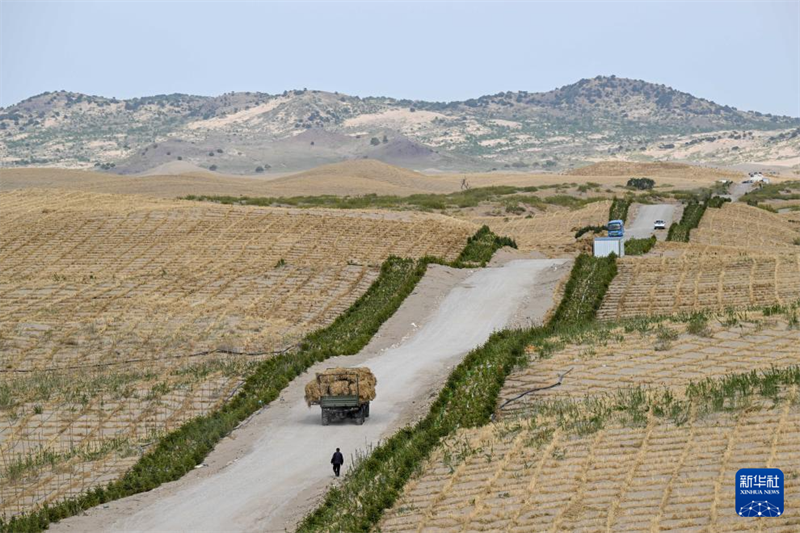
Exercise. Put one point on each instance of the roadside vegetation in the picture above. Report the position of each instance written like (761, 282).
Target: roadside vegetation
(511, 197)
(789, 190)
(631, 406)
(480, 248)
(639, 246)
(619, 208)
(692, 214)
(179, 451)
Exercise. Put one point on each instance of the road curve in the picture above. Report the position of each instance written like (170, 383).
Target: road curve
(274, 469)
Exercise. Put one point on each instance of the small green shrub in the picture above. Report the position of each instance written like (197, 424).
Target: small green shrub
(481, 247)
(642, 184)
(698, 325)
(639, 246)
(586, 229)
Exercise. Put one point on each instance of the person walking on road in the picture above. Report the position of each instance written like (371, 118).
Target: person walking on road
(337, 461)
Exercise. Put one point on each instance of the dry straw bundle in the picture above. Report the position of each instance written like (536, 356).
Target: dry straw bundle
(342, 382)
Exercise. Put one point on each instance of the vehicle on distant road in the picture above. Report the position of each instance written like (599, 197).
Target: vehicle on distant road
(659, 224)
(616, 228)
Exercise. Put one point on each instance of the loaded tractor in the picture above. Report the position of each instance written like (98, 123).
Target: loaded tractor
(342, 393)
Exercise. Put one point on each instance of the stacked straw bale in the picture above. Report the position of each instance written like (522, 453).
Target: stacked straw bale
(342, 382)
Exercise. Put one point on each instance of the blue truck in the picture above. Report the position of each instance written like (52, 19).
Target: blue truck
(616, 228)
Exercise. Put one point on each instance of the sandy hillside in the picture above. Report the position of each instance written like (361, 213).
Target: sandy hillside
(356, 177)
(652, 170)
(350, 178)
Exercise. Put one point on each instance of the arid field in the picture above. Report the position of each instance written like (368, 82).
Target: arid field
(348, 178)
(122, 316)
(623, 444)
(551, 232)
(128, 311)
(738, 256)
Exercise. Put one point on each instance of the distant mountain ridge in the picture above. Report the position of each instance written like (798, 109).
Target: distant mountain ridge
(589, 120)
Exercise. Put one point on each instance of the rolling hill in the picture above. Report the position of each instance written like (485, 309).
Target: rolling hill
(248, 133)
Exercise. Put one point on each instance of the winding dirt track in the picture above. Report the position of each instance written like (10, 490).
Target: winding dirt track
(272, 470)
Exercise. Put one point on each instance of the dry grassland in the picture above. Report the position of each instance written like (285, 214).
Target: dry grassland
(108, 303)
(666, 355)
(662, 170)
(532, 472)
(550, 232)
(351, 178)
(700, 279)
(743, 226)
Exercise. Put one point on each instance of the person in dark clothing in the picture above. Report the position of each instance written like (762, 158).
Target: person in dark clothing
(337, 461)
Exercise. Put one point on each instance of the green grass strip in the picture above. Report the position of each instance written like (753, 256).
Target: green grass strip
(639, 246)
(511, 196)
(585, 289)
(619, 208)
(692, 214)
(180, 451)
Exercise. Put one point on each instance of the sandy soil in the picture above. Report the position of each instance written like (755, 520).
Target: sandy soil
(271, 471)
(347, 178)
(645, 216)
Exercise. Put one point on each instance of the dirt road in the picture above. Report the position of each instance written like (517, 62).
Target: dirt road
(737, 190)
(273, 470)
(644, 216)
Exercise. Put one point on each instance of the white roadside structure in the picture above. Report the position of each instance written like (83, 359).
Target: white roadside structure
(605, 246)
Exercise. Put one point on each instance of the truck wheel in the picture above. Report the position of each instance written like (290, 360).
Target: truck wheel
(325, 419)
(360, 416)
(366, 410)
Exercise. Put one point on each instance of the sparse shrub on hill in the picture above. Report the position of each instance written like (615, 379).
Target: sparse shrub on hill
(698, 325)
(259, 169)
(212, 168)
(642, 184)
(374, 141)
(587, 229)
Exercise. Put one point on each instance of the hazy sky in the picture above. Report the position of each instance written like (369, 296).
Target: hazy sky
(744, 54)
